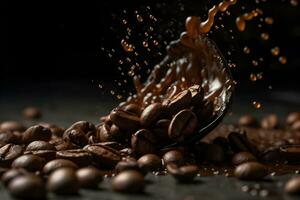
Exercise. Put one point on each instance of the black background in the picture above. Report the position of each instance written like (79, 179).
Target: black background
(62, 40)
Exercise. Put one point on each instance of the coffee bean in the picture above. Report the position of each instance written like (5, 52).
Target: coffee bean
(151, 114)
(27, 187)
(161, 131)
(192, 25)
(247, 120)
(292, 186)
(242, 157)
(214, 153)
(133, 108)
(114, 145)
(173, 156)
(84, 126)
(239, 142)
(296, 126)
(180, 101)
(37, 132)
(290, 153)
(182, 125)
(150, 162)
(128, 182)
(292, 118)
(125, 120)
(250, 171)
(53, 165)
(9, 137)
(76, 136)
(103, 133)
(103, 156)
(270, 121)
(63, 181)
(66, 146)
(11, 126)
(32, 113)
(89, 177)
(117, 134)
(29, 162)
(143, 142)
(8, 153)
(271, 155)
(127, 152)
(197, 93)
(125, 165)
(184, 173)
(39, 145)
(11, 174)
(47, 155)
(78, 156)
(56, 130)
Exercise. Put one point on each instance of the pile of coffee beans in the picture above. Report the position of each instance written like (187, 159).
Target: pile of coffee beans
(130, 142)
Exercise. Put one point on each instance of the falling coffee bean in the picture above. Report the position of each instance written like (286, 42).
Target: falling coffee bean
(250, 171)
(128, 182)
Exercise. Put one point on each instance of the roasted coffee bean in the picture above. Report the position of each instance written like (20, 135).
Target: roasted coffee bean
(161, 130)
(184, 173)
(127, 165)
(204, 112)
(296, 126)
(173, 156)
(180, 101)
(133, 108)
(11, 174)
(114, 145)
(63, 181)
(127, 152)
(66, 146)
(9, 137)
(214, 153)
(29, 162)
(103, 133)
(117, 134)
(129, 181)
(8, 153)
(143, 142)
(247, 120)
(250, 171)
(53, 165)
(32, 113)
(56, 130)
(3, 170)
(182, 125)
(151, 114)
(76, 136)
(47, 155)
(89, 177)
(37, 132)
(11, 126)
(290, 153)
(197, 94)
(239, 142)
(78, 156)
(125, 120)
(223, 142)
(27, 187)
(292, 118)
(271, 155)
(150, 162)
(292, 186)
(84, 126)
(103, 156)
(242, 157)
(270, 121)
(39, 145)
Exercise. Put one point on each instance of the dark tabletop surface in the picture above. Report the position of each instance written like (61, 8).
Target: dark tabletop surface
(68, 102)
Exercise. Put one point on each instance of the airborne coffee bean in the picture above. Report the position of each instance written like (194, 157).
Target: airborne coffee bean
(31, 163)
(89, 177)
(63, 181)
(128, 182)
(182, 125)
(250, 171)
(151, 114)
(37, 132)
(27, 187)
(58, 163)
(143, 142)
(150, 162)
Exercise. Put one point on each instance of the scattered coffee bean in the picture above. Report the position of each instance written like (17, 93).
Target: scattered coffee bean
(247, 120)
(63, 181)
(11, 174)
(184, 173)
(78, 156)
(242, 157)
(11, 126)
(180, 101)
(173, 156)
(76, 136)
(271, 155)
(27, 187)
(125, 120)
(151, 114)
(37, 132)
(84, 126)
(53, 165)
(39, 145)
(129, 181)
(182, 125)
(150, 162)
(292, 186)
(8, 153)
(116, 134)
(133, 108)
(250, 171)
(125, 165)
(270, 121)
(32, 113)
(143, 142)
(89, 177)
(29, 162)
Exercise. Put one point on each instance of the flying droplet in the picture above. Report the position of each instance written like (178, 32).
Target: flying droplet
(256, 105)
(246, 50)
(282, 60)
(264, 36)
(155, 42)
(254, 63)
(124, 21)
(275, 51)
(139, 18)
(269, 20)
(145, 44)
(253, 77)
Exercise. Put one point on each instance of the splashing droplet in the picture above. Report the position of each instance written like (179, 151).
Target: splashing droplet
(145, 44)
(246, 50)
(282, 60)
(253, 77)
(269, 20)
(257, 105)
(275, 51)
(264, 36)
(139, 18)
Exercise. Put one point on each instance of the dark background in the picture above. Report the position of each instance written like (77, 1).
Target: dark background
(58, 49)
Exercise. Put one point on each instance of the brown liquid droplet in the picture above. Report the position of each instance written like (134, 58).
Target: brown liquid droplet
(246, 50)
(269, 20)
(257, 105)
(127, 47)
(155, 42)
(241, 20)
(254, 63)
(145, 43)
(139, 18)
(264, 36)
(282, 60)
(275, 51)
(124, 21)
(253, 77)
